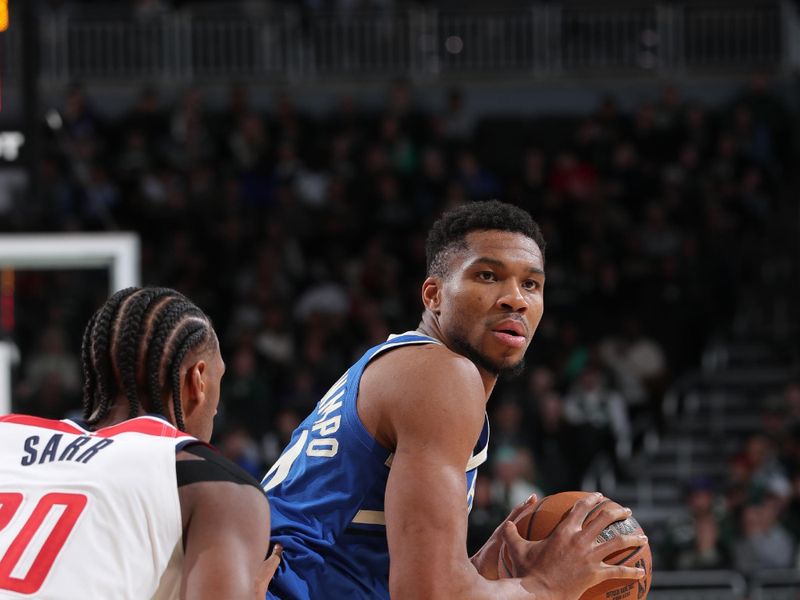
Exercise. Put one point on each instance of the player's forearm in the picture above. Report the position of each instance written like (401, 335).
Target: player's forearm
(465, 584)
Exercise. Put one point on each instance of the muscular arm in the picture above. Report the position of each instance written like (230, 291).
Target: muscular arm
(226, 537)
(433, 415)
(429, 406)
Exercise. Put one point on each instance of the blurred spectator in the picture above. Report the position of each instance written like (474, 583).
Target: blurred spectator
(277, 438)
(707, 552)
(237, 445)
(190, 139)
(559, 448)
(514, 472)
(275, 340)
(507, 423)
(573, 178)
(248, 144)
(692, 539)
(765, 470)
(600, 413)
(638, 364)
(479, 184)
(457, 122)
(763, 543)
(52, 376)
(246, 392)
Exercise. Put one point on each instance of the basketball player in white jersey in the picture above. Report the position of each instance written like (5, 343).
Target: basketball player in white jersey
(132, 503)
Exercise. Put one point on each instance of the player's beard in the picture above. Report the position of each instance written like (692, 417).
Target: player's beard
(463, 347)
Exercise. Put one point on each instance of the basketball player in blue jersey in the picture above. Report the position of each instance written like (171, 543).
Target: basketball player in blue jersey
(370, 498)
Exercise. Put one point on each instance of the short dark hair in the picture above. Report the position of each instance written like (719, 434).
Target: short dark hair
(134, 344)
(450, 230)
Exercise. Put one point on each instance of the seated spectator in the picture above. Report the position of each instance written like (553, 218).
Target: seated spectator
(763, 543)
(558, 446)
(600, 411)
(52, 374)
(707, 550)
(514, 477)
(692, 539)
(639, 365)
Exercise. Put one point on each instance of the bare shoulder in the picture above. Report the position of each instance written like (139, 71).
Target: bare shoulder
(424, 365)
(209, 482)
(418, 386)
(226, 526)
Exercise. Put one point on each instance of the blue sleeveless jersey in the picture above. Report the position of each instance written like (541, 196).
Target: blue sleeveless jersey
(326, 497)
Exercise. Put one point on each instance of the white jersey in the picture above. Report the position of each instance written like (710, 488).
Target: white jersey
(89, 514)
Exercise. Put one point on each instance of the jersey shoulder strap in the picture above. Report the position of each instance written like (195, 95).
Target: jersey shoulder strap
(211, 466)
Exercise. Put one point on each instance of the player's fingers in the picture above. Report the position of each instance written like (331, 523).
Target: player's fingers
(267, 570)
(512, 538)
(622, 572)
(620, 542)
(520, 508)
(580, 511)
(607, 513)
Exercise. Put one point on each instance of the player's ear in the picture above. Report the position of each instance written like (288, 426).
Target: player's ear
(193, 393)
(432, 294)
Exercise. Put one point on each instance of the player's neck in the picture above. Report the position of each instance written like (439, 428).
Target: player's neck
(118, 413)
(430, 327)
(431, 330)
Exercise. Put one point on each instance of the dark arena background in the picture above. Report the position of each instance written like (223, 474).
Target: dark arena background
(280, 163)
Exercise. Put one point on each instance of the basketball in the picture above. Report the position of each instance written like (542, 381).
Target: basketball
(539, 520)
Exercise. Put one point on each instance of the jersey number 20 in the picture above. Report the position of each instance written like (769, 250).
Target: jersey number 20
(60, 525)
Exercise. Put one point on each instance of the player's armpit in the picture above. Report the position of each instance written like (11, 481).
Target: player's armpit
(226, 540)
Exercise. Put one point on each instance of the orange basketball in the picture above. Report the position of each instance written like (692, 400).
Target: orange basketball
(539, 520)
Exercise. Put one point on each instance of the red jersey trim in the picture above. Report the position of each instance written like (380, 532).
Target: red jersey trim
(145, 425)
(65, 426)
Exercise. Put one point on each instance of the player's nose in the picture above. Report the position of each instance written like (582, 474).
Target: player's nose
(511, 297)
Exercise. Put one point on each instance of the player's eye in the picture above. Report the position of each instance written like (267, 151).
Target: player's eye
(486, 276)
(530, 284)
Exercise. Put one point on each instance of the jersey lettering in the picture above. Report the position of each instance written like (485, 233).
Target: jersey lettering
(30, 449)
(90, 452)
(72, 448)
(324, 447)
(328, 427)
(280, 470)
(50, 453)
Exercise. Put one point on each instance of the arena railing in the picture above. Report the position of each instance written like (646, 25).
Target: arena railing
(766, 584)
(775, 584)
(697, 585)
(217, 42)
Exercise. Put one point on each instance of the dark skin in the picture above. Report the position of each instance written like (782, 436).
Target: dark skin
(225, 525)
(427, 405)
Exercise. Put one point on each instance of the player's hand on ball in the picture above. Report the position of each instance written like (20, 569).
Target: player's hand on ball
(595, 543)
(486, 559)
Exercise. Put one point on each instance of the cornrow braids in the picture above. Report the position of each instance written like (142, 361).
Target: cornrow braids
(105, 388)
(164, 327)
(128, 339)
(134, 345)
(193, 335)
(89, 379)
